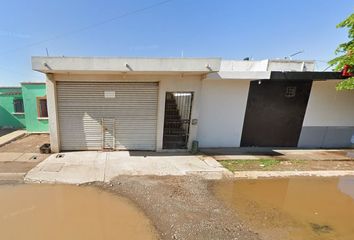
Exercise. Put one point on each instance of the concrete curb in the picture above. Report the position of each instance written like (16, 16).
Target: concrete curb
(280, 174)
(12, 176)
(11, 137)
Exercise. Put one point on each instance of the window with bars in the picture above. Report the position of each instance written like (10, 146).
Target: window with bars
(18, 105)
(42, 107)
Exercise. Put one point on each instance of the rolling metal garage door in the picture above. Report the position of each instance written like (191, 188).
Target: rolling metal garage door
(83, 108)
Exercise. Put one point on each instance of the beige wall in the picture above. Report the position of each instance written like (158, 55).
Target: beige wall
(52, 113)
(222, 111)
(220, 105)
(191, 83)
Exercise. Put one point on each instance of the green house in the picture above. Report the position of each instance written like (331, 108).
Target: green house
(11, 108)
(24, 107)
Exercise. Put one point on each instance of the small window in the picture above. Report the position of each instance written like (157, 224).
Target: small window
(42, 107)
(18, 106)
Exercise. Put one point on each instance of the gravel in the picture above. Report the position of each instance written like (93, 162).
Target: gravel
(181, 207)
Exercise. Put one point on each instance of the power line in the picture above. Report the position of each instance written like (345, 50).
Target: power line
(13, 72)
(126, 14)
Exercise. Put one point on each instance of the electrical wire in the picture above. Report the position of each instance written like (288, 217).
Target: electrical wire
(88, 27)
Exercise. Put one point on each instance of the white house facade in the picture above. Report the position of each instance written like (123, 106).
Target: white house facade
(162, 104)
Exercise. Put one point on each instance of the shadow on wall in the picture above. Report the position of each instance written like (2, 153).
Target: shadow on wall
(80, 131)
(326, 137)
(9, 120)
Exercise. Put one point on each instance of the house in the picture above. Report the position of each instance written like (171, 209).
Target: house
(167, 103)
(24, 107)
(11, 108)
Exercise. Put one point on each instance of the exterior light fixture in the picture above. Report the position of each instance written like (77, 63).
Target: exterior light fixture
(129, 67)
(47, 66)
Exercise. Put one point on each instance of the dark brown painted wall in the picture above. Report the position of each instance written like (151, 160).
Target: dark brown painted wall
(273, 118)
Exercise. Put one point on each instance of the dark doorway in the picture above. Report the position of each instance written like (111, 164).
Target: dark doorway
(178, 108)
(275, 113)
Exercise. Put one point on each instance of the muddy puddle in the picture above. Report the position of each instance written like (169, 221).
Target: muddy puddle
(295, 208)
(36, 212)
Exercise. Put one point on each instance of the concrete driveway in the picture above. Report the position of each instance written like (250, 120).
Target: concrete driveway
(89, 166)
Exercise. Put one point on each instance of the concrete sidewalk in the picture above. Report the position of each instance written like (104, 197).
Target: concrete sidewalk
(89, 166)
(7, 138)
(21, 157)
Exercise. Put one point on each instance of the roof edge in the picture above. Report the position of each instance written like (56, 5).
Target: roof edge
(9, 87)
(32, 83)
(309, 75)
(114, 64)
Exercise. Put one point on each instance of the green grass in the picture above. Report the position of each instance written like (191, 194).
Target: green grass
(269, 162)
(234, 165)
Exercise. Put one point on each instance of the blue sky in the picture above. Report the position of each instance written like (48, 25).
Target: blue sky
(231, 29)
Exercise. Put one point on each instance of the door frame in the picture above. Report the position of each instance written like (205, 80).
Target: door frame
(187, 122)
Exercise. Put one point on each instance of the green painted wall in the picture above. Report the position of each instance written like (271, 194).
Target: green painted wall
(30, 93)
(7, 117)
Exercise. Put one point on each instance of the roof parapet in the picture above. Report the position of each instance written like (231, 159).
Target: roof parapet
(125, 65)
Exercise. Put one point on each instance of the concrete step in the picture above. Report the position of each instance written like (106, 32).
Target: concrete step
(174, 145)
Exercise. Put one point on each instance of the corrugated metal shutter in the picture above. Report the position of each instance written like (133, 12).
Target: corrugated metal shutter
(82, 106)
(108, 133)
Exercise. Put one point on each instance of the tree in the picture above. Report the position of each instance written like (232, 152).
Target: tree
(345, 60)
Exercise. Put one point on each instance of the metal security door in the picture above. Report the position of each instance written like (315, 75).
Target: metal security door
(83, 105)
(108, 133)
(178, 109)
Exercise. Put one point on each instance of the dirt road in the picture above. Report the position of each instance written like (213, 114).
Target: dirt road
(181, 207)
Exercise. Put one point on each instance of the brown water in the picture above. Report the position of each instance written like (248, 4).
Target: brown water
(36, 212)
(295, 208)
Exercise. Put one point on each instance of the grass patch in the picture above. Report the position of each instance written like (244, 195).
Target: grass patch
(241, 164)
(269, 162)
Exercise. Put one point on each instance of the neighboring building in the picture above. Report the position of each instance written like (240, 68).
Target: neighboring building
(160, 104)
(35, 103)
(24, 107)
(11, 108)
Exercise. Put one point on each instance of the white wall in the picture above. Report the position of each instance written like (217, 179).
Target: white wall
(233, 65)
(290, 65)
(178, 84)
(222, 111)
(329, 118)
(329, 107)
